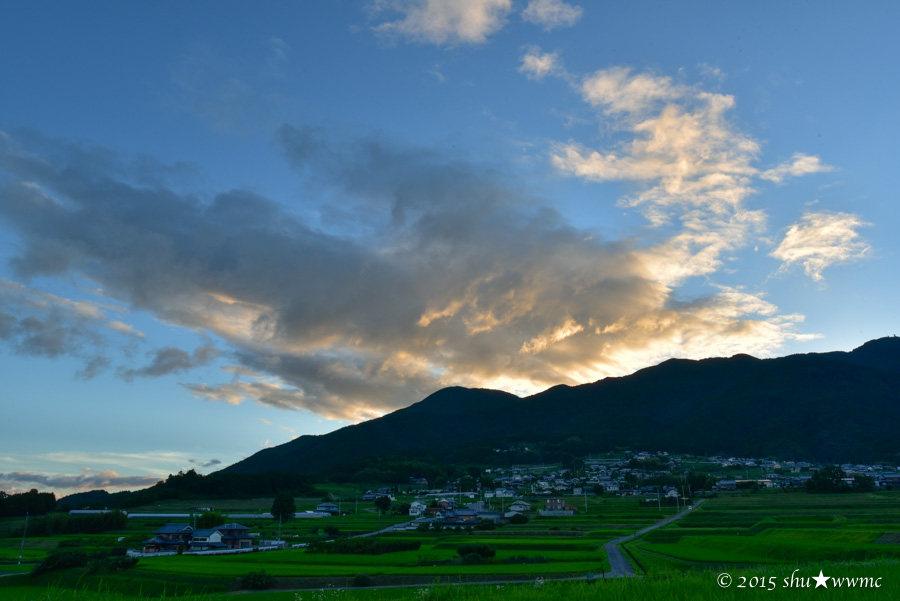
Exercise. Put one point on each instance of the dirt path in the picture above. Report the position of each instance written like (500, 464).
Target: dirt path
(619, 564)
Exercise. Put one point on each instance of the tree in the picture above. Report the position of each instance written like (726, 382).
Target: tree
(828, 478)
(383, 503)
(210, 519)
(283, 508)
(863, 483)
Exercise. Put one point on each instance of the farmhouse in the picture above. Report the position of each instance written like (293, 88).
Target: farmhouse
(520, 506)
(328, 508)
(169, 538)
(172, 536)
(417, 508)
(557, 507)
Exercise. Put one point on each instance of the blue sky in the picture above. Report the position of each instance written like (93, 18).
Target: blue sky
(222, 227)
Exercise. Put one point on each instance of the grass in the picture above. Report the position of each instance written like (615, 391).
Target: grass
(692, 586)
(776, 528)
(768, 533)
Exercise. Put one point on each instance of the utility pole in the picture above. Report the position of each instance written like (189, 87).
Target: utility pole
(24, 530)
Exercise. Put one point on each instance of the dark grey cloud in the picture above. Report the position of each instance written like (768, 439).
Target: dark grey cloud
(89, 480)
(171, 360)
(424, 268)
(204, 464)
(36, 324)
(93, 367)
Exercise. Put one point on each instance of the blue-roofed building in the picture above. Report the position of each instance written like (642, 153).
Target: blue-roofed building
(207, 540)
(172, 536)
(169, 538)
(235, 536)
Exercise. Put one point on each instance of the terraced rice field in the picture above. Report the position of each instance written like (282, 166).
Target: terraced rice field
(776, 528)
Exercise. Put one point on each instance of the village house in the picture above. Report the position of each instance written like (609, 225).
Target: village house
(417, 508)
(519, 506)
(557, 507)
(207, 540)
(328, 508)
(460, 517)
(171, 537)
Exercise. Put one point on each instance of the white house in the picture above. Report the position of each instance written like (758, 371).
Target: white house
(417, 508)
(520, 506)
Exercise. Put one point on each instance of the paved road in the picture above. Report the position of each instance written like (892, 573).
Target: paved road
(618, 563)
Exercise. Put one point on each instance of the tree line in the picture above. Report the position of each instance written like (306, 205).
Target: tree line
(31, 502)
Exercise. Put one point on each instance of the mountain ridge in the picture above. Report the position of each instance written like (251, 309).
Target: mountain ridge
(836, 404)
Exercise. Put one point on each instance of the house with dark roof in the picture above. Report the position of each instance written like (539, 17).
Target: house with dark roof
(169, 538)
(328, 508)
(172, 536)
(207, 540)
(460, 517)
(235, 536)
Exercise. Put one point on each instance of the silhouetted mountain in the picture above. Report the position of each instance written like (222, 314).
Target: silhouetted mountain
(831, 407)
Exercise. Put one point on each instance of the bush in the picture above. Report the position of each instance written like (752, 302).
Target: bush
(519, 518)
(62, 558)
(256, 581)
(112, 564)
(362, 580)
(483, 551)
(485, 525)
(472, 559)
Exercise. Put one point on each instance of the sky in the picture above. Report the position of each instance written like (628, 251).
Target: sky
(225, 226)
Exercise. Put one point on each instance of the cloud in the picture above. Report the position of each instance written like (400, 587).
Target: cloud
(800, 164)
(691, 169)
(616, 91)
(821, 240)
(418, 268)
(552, 14)
(38, 324)
(538, 65)
(230, 93)
(694, 170)
(171, 360)
(87, 480)
(443, 23)
(205, 464)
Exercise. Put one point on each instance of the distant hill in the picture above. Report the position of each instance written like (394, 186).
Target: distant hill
(829, 407)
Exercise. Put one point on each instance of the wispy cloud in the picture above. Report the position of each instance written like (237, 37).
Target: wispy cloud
(538, 65)
(230, 93)
(800, 164)
(693, 168)
(442, 23)
(422, 267)
(87, 480)
(205, 464)
(171, 360)
(552, 14)
(39, 324)
(821, 240)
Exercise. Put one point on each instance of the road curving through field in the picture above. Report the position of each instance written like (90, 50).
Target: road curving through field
(618, 563)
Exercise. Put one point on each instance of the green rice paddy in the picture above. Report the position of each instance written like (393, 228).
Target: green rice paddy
(770, 533)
